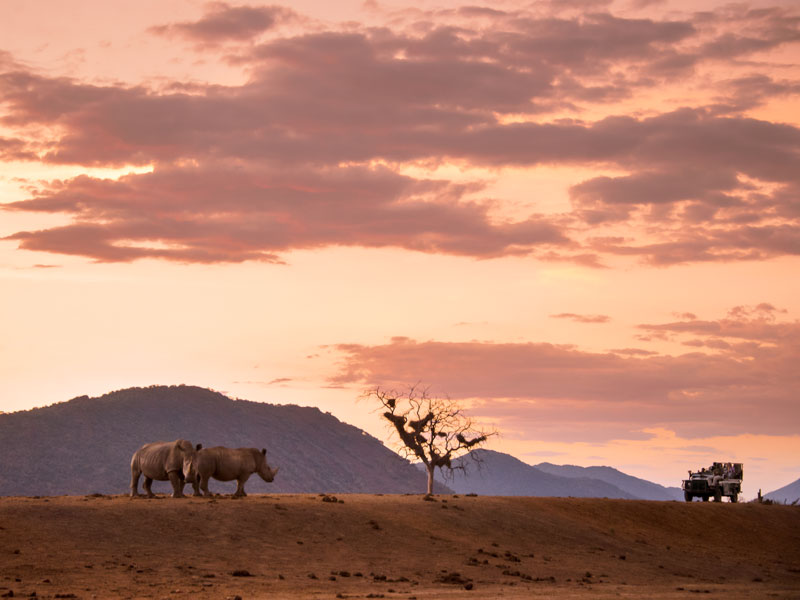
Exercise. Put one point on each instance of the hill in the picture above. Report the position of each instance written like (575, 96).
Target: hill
(299, 546)
(787, 494)
(85, 445)
(498, 474)
(638, 488)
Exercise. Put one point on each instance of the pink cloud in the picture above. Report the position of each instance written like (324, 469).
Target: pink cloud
(753, 90)
(223, 22)
(752, 323)
(16, 149)
(560, 391)
(177, 212)
(763, 29)
(268, 153)
(633, 352)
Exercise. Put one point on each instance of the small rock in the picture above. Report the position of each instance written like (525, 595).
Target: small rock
(454, 578)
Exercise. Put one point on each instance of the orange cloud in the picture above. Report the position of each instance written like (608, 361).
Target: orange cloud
(582, 318)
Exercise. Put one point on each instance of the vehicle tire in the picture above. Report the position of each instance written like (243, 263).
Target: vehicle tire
(705, 498)
(687, 496)
(717, 495)
(734, 498)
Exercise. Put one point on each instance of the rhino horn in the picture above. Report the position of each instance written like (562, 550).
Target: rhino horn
(275, 471)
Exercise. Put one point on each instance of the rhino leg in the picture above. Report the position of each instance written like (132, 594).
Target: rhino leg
(148, 481)
(204, 485)
(177, 484)
(196, 487)
(240, 486)
(135, 474)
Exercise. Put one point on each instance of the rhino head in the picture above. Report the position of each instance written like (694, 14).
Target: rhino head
(264, 470)
(190, 463)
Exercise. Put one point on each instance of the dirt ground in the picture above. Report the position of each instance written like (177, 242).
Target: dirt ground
(374, 546)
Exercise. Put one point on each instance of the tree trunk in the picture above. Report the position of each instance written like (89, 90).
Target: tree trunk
(431, 468)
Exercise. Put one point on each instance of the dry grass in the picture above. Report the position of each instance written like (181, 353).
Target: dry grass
(371, 546)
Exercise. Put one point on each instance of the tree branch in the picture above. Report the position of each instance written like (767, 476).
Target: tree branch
(435, 430)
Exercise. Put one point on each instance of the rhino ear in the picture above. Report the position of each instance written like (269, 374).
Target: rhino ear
(199, 447)
(264, 451)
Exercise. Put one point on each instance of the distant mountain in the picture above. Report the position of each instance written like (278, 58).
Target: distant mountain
(787, 494)
(639, 488)
(498, 474)
(85, 445)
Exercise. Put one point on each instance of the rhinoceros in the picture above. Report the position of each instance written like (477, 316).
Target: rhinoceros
(227, 464)
(165, 461)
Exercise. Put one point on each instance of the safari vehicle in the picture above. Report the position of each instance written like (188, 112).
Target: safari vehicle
(720, 479)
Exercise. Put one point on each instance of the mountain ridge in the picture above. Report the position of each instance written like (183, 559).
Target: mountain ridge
(485, 471)
(787, 494)
(640, 488)
(88, 443)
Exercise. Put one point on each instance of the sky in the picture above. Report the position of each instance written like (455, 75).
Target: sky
(581, 219)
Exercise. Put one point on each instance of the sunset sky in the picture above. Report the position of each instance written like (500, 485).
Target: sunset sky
(582, 218)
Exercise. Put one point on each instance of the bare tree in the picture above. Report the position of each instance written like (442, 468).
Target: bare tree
(433, 429)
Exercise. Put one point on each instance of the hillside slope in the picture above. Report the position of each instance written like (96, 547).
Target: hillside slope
(298, 546)
(639, 488)
(499, 474)
(85, 445)
(787, 494)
